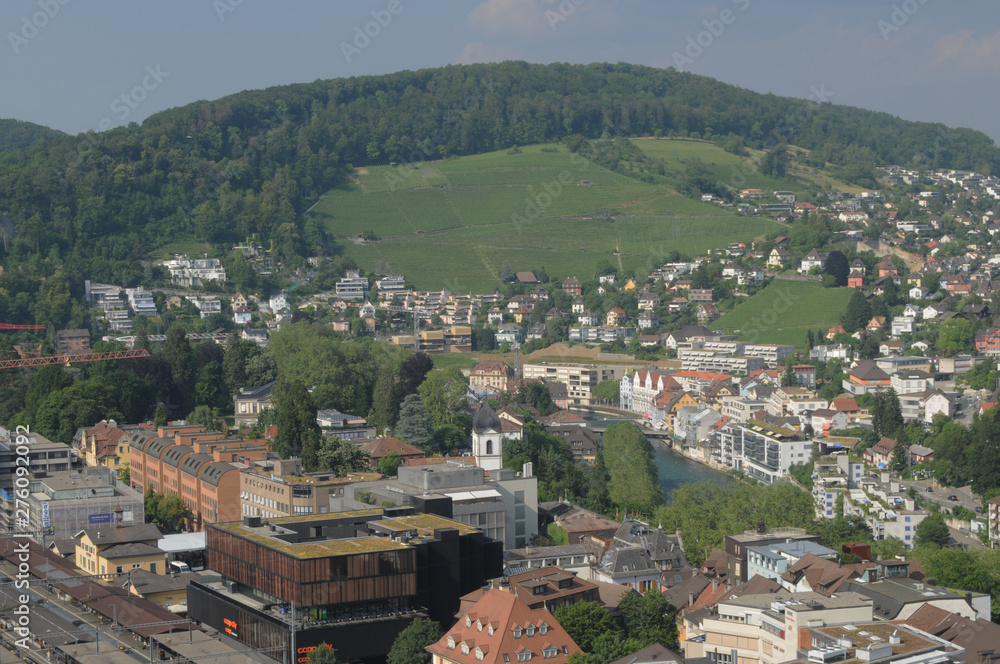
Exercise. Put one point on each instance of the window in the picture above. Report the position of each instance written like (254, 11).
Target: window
(119, 569)
(531, 630)
(524, 656)
(550, 652)
(152, 567)
(136, 565)
(517, 632)
(489, 447)
(451, 643)
(543, 629)
(465, 648)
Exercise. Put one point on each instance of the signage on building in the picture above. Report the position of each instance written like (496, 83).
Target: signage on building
(45, 515)
(99, 518)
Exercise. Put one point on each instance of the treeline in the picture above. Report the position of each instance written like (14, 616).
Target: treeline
(253, 162)
(17, 135)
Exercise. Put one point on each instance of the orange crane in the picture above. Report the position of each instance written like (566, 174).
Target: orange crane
(13, 326)
(72, 357)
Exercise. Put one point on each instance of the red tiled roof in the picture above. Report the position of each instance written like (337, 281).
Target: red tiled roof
(509, 619)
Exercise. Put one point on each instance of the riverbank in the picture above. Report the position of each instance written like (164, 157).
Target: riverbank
(675, 469)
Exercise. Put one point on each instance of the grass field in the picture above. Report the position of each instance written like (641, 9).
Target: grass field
(782, 312)
(452, 223)
(193, 248)
(739, 172)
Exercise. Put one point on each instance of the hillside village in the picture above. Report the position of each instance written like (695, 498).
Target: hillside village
(857, 414)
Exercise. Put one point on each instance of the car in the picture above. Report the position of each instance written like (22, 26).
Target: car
(953, 498)
(930, 489)
(979, 509)
(77, 623)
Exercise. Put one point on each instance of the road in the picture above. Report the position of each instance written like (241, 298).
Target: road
(939, 494)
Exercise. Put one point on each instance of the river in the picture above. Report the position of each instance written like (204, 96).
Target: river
(674, 468)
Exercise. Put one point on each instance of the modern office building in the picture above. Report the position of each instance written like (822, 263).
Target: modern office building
(351, 580)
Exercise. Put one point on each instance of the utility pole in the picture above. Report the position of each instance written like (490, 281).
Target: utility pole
(294, 651)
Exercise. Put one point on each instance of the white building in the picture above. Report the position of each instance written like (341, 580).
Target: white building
(185, 271)
(141, 302)
(760, 451)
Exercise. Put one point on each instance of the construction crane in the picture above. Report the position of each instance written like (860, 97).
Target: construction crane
(14, 326)
(68, 358)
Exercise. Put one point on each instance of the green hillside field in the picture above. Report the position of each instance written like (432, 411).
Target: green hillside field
(782, 312)
(452, 223)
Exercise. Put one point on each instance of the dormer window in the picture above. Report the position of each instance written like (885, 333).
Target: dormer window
(451, 643)
(531, 630)
(517, 631)
(491, 629)
(468, 621)
(479, 625)
(550, 652)
(543, 629)
(524, 656)
(465, 648)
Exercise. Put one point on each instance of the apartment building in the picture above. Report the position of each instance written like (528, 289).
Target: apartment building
(579, 379)
(279, 488)
(770, 627)
(352, 287)
(718, 362)
(60, 503)
(759, 450)
(454, 339)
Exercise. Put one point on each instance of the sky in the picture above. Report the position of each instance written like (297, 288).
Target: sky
(79, 66)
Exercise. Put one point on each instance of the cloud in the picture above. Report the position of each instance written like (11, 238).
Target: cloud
(474, 52)
(965, 49)
(520, 17)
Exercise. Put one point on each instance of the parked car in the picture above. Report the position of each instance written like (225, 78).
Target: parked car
(953, 498)
(930, 489)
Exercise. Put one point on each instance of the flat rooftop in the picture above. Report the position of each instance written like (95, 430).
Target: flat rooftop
(420, 526)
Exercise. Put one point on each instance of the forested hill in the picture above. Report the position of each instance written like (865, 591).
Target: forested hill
(16, 135)
(255, 161)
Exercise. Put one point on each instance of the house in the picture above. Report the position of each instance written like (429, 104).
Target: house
(866, 377)
(241, 315)
(648, 300)
(341, 323)
(579, 306)
(919, 293)
(500, 628)
(903, 325)
(69, 342)
(832, 333)
(251, 402)
(379, 448)
(647, 320)
(920, 454)
(643, 558)
(880, 454)
(508, 334)
(239, 300)
(876, 324)
(495, 315)
(856, 275)
(105, 444)
(706, 312)
(526, 277)
(615, 317)
(491, 373)
(988, 342)
(571, 286)
(588, 318)
(537, 331)
(689, 333)
(778, 257)
(107, 549)
(546, 587)
(813, 259)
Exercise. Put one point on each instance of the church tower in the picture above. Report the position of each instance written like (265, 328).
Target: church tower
(487, 439)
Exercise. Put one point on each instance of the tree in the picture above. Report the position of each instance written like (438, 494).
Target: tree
(633, 480)
(586, 622)
(160, 417)
(898, 460)
(324, 654)
(537, 394)
(887, 414)
(649, 619)
(931, 281)
(837, 266)
(385, 401)
(172, 513)
(955, 336)
(180, 356)
(607, 391)
(788, 377)
(775, 161)
(933, 530)
(389, 464)
(414, 425)
(408, 648)
(341, 457)
(295, 416)
(124, 474)
(506, 273)
(858, 312)
(443, 392)
(150, 504)
(210, 389)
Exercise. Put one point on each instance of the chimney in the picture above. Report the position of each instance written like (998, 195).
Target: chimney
(690, 599)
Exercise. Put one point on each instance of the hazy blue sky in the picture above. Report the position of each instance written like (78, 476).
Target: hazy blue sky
(68, 63)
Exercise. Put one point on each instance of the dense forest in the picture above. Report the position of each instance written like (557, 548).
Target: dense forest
(17, 135)
(253, 162)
